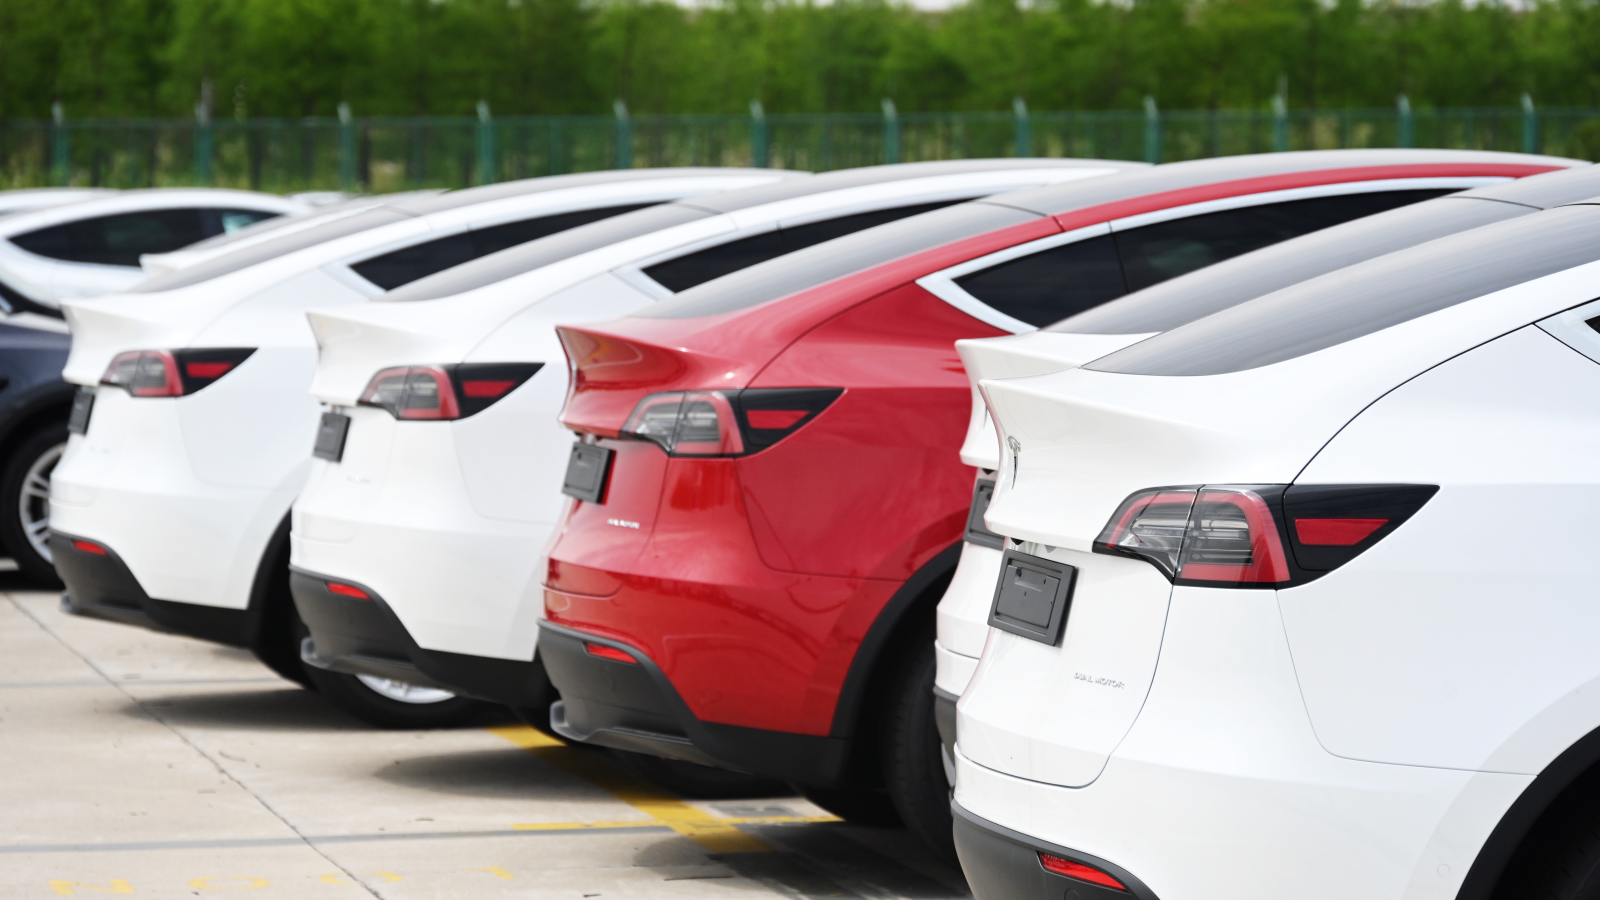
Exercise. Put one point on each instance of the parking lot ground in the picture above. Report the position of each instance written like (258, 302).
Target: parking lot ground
(140, 763)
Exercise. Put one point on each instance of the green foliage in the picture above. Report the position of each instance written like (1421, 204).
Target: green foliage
(410, 57)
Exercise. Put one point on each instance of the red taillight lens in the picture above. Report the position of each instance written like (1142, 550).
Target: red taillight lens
(1335, 532)
(688, 423)
(413, 392)
(174, 373)
(1079, 871)
(445, 392)
(347, 590)
(1232, 536)
(89, 547)
(611, 653)
(725, 423)
(145, 373)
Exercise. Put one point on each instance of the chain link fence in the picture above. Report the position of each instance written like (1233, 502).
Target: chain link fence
(389, 154)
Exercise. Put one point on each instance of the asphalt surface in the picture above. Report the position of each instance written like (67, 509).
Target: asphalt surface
(146, 764)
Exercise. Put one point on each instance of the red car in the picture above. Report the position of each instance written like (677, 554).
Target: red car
(768, 501)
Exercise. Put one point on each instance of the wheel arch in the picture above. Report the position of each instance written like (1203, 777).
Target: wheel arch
(1540, 812)
(39, 406)
(919, 595)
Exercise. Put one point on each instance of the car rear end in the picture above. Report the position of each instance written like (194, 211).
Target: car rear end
(1140, 722)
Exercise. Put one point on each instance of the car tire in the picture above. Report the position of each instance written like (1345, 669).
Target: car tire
(913, 754)
(25, 501)
(384, 703)
(694, 781)
(858, 807)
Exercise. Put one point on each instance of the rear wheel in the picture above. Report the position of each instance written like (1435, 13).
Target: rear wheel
(859, 807)
(913, 754)
(25, 501)
(395, 704)
(697, 782)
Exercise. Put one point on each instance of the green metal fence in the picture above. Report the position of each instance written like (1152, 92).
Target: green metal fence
(387, 154)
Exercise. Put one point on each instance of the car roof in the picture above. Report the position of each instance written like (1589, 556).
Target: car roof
(1186, 298)
(1368, 297)
(151, 198)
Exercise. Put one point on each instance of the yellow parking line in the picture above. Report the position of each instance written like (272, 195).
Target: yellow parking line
(716, 834)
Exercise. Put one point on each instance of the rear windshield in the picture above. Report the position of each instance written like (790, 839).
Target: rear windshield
(538, 254)
(245, 257)
(835, 259)
(1198, 294)
(1369, 297)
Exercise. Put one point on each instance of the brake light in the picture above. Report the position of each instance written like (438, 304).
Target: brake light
(347, 590)
(725, 423)
(90, 547)
(611, 653)
(172, 373)
(1233, 536)
(1079, 871)
(444, 392)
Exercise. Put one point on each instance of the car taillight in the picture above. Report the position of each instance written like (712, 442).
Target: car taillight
(172, 373)
(1235, 535)
(1067, 867)
(444, 392)
(725, 423)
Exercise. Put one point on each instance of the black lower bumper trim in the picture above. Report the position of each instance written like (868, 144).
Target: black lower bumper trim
(100, 586)
(635, 707)
(1001, 864)
(364, 637)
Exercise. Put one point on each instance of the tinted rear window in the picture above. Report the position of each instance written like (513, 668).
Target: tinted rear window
(1154, 253)
(245, 257)
(834, 259)
(538, 254)
(1368, 297)
(1196, 295)
(1041, 287)
(714, 262)
(116, 240)
(403, 266)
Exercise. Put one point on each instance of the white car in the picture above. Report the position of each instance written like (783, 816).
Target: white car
(416, 541)
(963, 617)
(93, 246)
(1257, 635)
(25, 199)
(192, 426)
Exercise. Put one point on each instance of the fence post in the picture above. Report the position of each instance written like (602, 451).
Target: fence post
(1406, 125)
(60, 152)
(624, 135)
(758, 135)
(1530, 125)
(891, 132)
(487, 170)
(1019, 109)
(1280, 124)
(1152, 130)
(202, 133)
(347, 149)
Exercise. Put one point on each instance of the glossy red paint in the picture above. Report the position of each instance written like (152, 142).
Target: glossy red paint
(751, 582)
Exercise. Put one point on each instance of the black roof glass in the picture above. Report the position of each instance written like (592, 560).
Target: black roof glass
(1368, 297)
(837, 258)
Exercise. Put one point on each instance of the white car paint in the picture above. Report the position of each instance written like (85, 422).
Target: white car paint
(1363, 732)
(189, 490)
(57, 279)
(444, 520)
(25, 199)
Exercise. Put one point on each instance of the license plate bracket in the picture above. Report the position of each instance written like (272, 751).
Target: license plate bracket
(1033, 597)
(82, 407)
(588, 468)
(331, 432)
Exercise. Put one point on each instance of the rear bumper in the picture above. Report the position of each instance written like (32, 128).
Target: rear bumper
(963, 616)
(364, 637)
(100, 586)
(1001, 864)
(633, 706)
